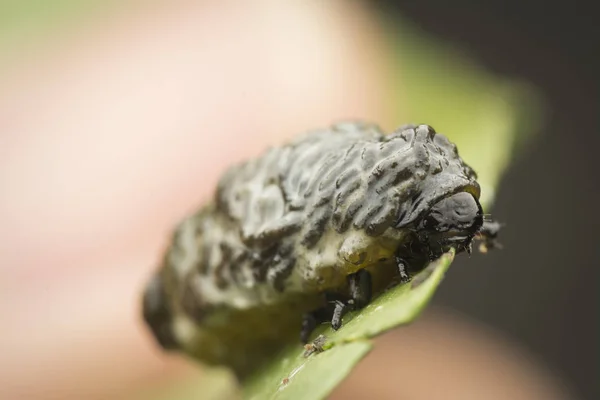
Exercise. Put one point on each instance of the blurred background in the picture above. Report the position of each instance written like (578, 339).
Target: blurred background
(117, 118)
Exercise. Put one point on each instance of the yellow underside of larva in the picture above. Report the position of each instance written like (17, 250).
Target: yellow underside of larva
(242, 338)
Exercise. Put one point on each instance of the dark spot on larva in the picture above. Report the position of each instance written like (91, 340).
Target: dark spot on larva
(282, 272)
(379, 227)
(378, 171)
(364, 217)
(261, 262)
(296, 205)
(333, 173)
(273, 234)
(402, 215)
(346, 176)
(454, 149)
(219, 270)
(438, 168)
(226, 252)
(336, 220)
(192, 303)
(316, 228)
(324, 197)
(238, 261)
(416, 199)
(346, 191)
(219, 277)
(351, 211)
(203, 258)
(157, 312)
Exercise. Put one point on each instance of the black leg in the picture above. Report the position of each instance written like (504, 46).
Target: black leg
(309, 323)
(338, 313)
(360, 288)
(403, 270)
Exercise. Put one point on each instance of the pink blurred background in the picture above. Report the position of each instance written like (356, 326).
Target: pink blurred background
(115, 124)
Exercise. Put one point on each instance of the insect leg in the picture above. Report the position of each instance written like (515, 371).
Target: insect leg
(338, 312)
(326, 313)
(360, 288)
(403, 270)
(309, 323)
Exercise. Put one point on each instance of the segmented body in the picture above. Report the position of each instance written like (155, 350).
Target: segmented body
(291, 224)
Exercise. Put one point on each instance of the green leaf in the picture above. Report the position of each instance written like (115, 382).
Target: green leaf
(197, 384)
(293, 376)
(290, 375)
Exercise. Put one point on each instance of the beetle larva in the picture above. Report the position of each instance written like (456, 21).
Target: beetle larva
(307, 231)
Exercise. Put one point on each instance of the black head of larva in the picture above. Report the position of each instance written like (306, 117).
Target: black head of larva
(451, 222)
(445, 211)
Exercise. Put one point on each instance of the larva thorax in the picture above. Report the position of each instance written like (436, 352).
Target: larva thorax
(294, 207)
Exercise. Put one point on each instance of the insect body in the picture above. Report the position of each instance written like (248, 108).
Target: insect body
(307, 231)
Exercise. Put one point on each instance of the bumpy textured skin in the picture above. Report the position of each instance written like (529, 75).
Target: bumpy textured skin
(287, 226)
